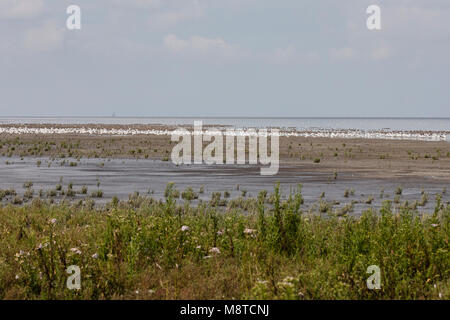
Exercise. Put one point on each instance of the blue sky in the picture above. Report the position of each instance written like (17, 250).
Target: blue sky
(225, 58)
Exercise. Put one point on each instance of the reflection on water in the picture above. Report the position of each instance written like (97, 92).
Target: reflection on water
(149, 177)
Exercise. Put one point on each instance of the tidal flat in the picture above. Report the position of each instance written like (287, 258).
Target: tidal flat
(55, 182)
(356, 173)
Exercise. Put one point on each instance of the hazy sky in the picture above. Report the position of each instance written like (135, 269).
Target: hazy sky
(225, 58)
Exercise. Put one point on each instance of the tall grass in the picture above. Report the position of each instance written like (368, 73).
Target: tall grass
(148, 249)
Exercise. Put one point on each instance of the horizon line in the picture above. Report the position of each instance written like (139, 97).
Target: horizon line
(231, 117)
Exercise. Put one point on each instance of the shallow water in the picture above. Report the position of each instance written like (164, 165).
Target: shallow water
(122, 177)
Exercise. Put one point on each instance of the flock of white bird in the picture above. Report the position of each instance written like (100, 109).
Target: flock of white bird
(348, 133)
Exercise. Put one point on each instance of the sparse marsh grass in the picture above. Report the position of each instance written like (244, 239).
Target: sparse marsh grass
(344, 210)
(423, 200)
(158, 248)
(27, 184)
(348, 192)
(97, 194)
(369, 200)
(29, 193)
(189, 194)
(324, 206)
(83, 190)
(344, 152)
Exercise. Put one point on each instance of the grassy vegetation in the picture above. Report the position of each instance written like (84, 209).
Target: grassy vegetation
(144, 248)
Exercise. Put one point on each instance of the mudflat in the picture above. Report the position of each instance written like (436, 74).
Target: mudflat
(369, 158)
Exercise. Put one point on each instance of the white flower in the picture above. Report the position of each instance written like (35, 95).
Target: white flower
(95, 255)
(184, 228)
(286, 284)
(249, 231)
(440, 295)
(53, 221)
(198, 247)
(288, 279)
(207, 257)
(220, 232)
(434, 225)
(262, 281)
(214, 250)
(21, 253)
(75, 250)
(17, 276)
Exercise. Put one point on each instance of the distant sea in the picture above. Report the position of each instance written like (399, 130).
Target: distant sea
(300, 124)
